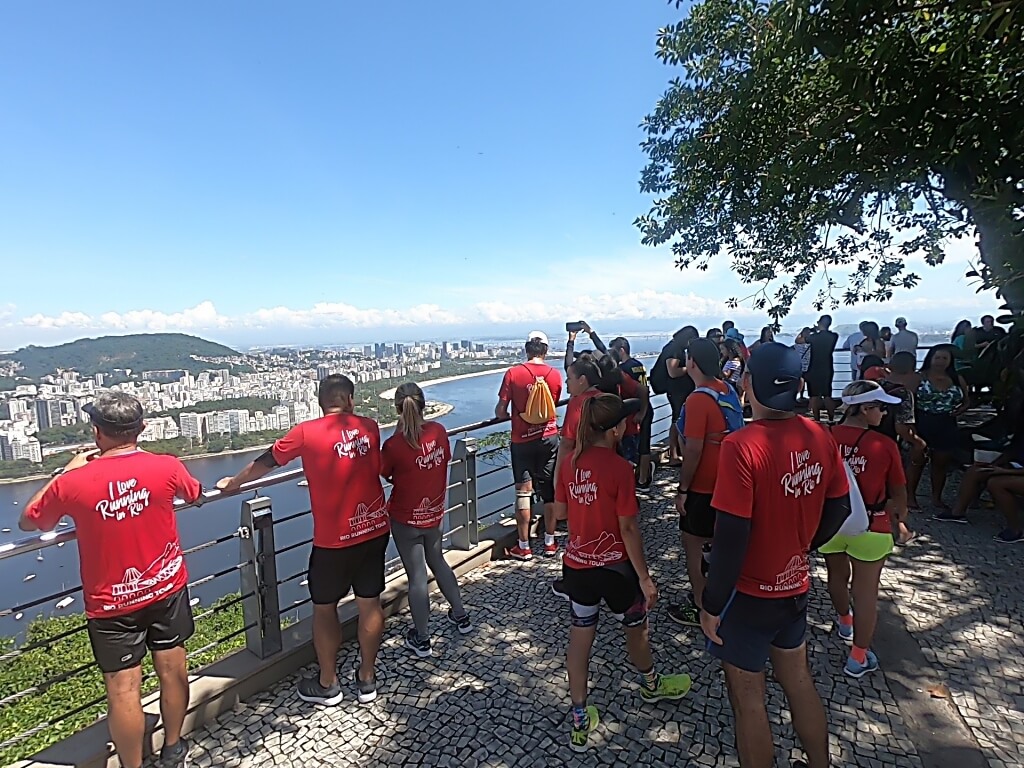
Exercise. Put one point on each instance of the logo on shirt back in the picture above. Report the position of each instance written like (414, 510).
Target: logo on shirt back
(803, 476)
(852, 456)
(352, 444)
(583, 489)
(432, 455)
(125, 497)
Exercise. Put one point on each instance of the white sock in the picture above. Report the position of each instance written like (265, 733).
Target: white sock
(524, 544)
(549, 539)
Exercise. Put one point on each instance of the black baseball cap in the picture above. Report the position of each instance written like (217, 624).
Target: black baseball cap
(626, 409)
(775, 375)
(704, 352)
(115, 410)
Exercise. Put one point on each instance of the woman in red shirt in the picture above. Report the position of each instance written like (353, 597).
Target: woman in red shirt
(604, 559)
(415, 460)
(874, 459)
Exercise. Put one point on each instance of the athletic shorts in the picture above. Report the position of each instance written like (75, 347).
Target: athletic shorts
(676, 400)
(617, 585)
(629, 448)
(752, 626)
(699, 519)
(121, 642)
(535, 461)
(333, 572)
(867, 547)
(819, 382)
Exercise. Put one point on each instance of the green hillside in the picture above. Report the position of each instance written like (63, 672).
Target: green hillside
(140, 352)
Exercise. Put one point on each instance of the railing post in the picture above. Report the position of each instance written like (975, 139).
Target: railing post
(462, 499)
(261, 611)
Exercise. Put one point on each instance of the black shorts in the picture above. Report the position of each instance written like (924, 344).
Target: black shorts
(819, 382)
(360, 568)
(617, 585)
(676, 400)
(939, 430)
(752, 626)
(121, 642)
(535, 462)
(699, 519)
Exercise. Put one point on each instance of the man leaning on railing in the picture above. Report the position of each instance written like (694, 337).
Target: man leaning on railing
(134, 580)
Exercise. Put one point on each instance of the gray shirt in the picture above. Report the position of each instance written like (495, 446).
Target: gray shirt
(904, 341)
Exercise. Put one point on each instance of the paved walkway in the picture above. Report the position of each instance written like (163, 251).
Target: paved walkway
(498, 697)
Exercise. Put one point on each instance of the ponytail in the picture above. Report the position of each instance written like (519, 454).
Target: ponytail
(594, 410)
(410, 404)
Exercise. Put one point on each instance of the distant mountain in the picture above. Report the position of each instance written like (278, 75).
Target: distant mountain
(140, 352)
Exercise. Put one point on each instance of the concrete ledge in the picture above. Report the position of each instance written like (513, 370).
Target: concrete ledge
(220, 686)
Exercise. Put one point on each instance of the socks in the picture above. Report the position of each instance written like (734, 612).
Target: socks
(860, 655)
(580, 718)
(549, 539)
(649, 679)
(524, 544)
(847, 620)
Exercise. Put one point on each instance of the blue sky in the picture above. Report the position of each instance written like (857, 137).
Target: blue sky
(260, 172)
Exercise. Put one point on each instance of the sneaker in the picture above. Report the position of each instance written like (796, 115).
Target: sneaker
(365, 691)
(845, 631)
(310, 690)
(176, 756)
(581, 730)
(418, 645)
(519, 554)
(687, 615)
(550, 550)
(856, 670)
(558, 590)
(948, 517)
(464, 625)
(670, 688)
(1009, 536)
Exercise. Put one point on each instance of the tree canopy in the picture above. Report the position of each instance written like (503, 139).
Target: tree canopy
(809, 137)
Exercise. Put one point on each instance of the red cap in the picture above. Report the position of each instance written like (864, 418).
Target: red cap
(876, 373)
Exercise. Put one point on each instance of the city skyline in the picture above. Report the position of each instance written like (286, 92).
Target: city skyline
(335, 174)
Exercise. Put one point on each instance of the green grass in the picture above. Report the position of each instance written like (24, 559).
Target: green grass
(69, 653)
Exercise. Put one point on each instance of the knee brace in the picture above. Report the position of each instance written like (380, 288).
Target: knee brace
(583, 616)
(524, 500)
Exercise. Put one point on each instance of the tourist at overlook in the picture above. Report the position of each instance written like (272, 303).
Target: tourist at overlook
(668, 377)
(121, 500)
(604, 559)
(703, 426)
(786, 494)
(415, 460)
(964, 340)
(802, 346)
(902, 373)
(732, 362)
(534, 430)
(340, 455)
(941, 398)
(570, 346)
(903, 340)
(821, 372)
(767, 334)
(871, 344)
(634, 369)
(875, 463)
(988, 332)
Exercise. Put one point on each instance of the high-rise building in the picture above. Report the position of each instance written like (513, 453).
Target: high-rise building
(284, 420)
(466, 344)
(99, 379)
(238, 421)
(6, 450)
(47, 414)
(193, 425)
(368, 350)
(322, 372)
(17, 407)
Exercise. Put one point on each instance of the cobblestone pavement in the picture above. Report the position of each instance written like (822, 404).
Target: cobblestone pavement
(498, 697)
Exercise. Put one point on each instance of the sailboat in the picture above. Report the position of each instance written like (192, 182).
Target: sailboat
(302, 483)
(29, 577)
(65, 602)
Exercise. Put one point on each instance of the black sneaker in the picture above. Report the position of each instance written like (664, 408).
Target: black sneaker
(365, 691)
(464, 625)
(418, 645)
(558, 590)
(175, 756)
(687, 614)
(310, 690)
(949, 517)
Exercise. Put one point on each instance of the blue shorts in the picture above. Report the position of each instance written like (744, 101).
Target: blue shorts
(629, 448)
(752, 626)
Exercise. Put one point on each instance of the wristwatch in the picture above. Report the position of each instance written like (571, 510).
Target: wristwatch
(682, 491)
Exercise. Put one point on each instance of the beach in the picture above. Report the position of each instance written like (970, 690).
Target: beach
(389, 394)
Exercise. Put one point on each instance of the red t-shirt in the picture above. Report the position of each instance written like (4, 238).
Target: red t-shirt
(341, 457)
(597, 491)
(629, 388)
(778, 473)
(571, 422)
(704, 421)
(419, 476)
(876, 463)
(123, 508)
(516, 386)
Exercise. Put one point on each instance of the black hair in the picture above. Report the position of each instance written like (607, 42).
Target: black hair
(611, 374)
(905, 360)
(870, 361)
(585, 366)
(333, 388)
(951, 368)
(620, 342)
(870, 330)
(535, 349)
(686, 333)
(962, 329)
(594, 411)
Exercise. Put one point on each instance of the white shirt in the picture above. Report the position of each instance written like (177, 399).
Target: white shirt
(854, 339)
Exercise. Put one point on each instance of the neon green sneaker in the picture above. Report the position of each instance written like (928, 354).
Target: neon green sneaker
(581, 730)
(670, 688)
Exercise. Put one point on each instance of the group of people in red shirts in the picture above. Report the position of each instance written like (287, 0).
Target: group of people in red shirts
(134, 577)
(753, 502)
